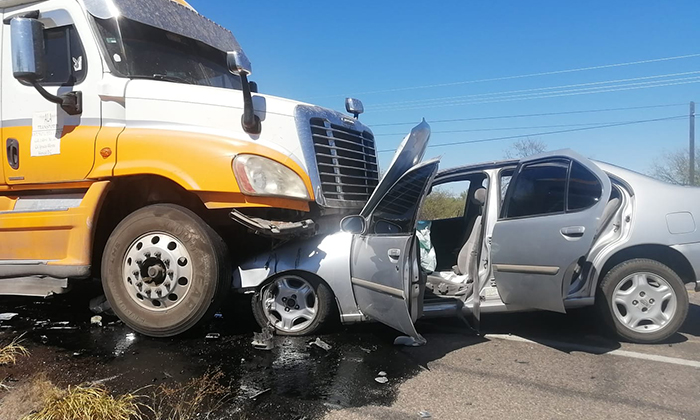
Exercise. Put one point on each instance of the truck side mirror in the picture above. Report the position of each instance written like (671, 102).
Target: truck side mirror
(28, 65)
(353, 224)
(27, 38)
(354, 106)
(239, 65)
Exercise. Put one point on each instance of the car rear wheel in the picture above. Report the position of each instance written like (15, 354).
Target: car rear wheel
(293, 304)
(643, 300)
(164, 270)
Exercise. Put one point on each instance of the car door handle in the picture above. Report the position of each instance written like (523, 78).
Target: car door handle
(13, 153)
(573, 231)
(394, 254)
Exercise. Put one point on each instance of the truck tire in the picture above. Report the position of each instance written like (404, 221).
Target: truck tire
(164, 270)
(643, 300)
(294, 304)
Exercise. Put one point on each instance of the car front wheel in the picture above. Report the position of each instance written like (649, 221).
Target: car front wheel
(293, 304)
(643, 300)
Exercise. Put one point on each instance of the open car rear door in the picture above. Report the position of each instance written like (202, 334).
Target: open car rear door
(548, 222)
(383, 260)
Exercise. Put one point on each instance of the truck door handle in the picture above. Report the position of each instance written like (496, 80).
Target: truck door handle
(13, 153)
(394, 254)
(573, 231)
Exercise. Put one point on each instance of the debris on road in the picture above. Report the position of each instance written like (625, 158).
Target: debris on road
(381, 379)
(100, 305)
(382, 373)
(404, 340)
(263, 339)
(7, 316)
(424, 415)
(96, 320)
(213, 336)
(256, 395)
(322, 344)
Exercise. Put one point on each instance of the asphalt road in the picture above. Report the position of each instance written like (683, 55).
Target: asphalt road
(524, 366)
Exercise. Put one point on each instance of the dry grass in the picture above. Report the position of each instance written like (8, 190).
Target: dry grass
(26, 398)
(197, 398)
(10, 352)
(89, 403)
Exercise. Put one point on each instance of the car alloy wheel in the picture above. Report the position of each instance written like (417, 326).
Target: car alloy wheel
(644, 302)
(290, 303)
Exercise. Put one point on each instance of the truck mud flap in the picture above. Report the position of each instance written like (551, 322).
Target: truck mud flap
(275, 229)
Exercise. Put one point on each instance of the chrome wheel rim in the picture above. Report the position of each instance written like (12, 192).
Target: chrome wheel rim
(290, 303)
(644, 302)
(157, 271)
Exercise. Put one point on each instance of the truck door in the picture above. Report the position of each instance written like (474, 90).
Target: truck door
(383, 258)
(42, 143)
(549, 218)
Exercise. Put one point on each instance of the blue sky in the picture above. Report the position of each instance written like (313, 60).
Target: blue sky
(323, 51)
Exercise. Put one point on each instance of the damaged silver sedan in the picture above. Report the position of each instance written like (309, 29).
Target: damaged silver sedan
(553, 232)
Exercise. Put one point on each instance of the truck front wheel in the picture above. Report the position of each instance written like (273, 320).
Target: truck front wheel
(164, 270)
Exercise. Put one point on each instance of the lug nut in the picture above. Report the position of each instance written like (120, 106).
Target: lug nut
(170, 273)
(286, 309)
(159, 292)
(157, 254)
(147, 254)
(644, 309)
(139, 262)
(642, 294)
(294, 296)
(651, 300)
(634, 302)
(284, 299)
(296, 307)
(148, 292)
(167, 263)
(167, 285)
(139, 285)
(136, 273)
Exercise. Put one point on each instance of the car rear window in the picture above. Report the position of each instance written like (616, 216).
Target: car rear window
(584, 188)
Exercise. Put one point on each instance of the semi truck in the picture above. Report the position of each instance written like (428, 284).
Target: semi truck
(137, 151)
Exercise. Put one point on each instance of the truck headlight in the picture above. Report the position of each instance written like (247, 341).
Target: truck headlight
(257, 175)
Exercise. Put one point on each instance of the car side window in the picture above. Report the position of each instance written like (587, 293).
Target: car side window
(584, 188)
(540, 188)
(397, 211)
(65, 58)
(445, 201)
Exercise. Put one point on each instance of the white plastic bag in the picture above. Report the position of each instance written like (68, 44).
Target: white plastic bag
(427, 253)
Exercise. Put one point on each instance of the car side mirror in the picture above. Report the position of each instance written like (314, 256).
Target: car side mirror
(27, 45)
(353, 224)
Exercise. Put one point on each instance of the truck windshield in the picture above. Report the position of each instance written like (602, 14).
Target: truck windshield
(140, 51)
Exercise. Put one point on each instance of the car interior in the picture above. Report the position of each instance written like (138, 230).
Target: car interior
(456, 240)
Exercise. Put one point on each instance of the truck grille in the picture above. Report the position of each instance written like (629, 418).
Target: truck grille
(346, 160)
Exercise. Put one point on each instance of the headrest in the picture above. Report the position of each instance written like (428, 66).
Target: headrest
(479, 196)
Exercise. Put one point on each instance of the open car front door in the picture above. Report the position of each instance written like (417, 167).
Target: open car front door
(385, 280)
(549, 219)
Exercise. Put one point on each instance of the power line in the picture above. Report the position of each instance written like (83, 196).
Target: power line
(546, 133)
(556, 94)
(544, 114)
(477, 95)
(521, 76)
(474, 130)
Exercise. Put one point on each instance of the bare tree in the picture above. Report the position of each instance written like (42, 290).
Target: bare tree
(673, 167)
(525, 147)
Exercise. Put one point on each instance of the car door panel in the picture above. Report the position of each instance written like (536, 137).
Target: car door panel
(533, 255)
(385, 284)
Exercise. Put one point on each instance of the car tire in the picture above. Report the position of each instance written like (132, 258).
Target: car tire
(632, 294)
(164, 270)
(287, 307)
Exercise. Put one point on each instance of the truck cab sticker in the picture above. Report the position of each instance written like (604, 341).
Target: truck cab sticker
(46, 134)
(77, 63)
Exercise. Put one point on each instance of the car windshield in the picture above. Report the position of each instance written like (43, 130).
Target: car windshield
(140, 51)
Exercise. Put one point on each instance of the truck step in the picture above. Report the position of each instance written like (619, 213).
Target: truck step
(41, 286)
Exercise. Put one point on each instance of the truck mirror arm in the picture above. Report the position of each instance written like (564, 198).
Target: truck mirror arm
(71, 102)
(250, 122)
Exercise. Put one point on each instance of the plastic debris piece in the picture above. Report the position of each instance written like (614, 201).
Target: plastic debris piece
(382, 373)
(368, 351)
(322, 344)
(424, 415)
(257, 394)
(381, 379)
(44, 339)
(100, 305)
(213, 336)
(96, 320)
(7, 316)
(218, 315)
(263, 340)
(404, 340)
